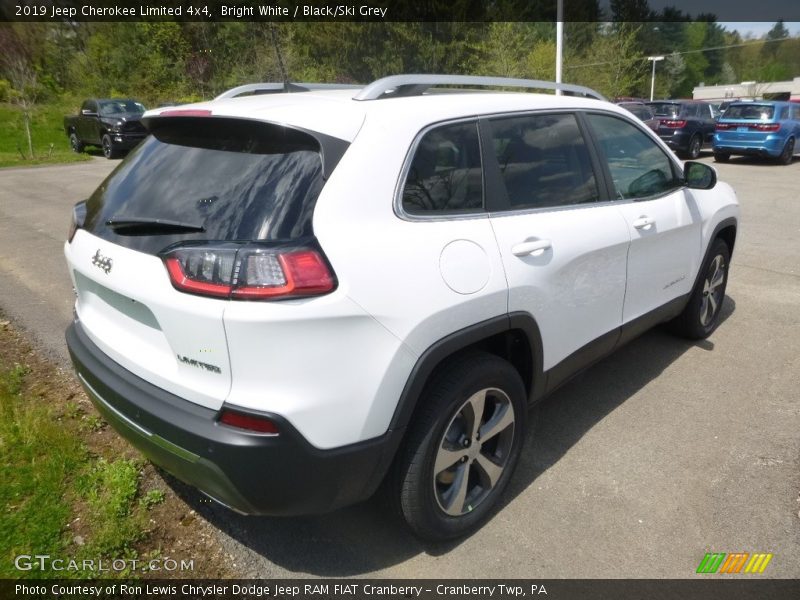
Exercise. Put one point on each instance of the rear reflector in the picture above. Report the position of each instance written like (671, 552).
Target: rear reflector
(749, 126)
(248, 422)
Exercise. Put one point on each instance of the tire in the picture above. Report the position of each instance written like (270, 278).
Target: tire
(701, 315)
(721, 157)
(75, 143)
(453, 468)
(695, 144)
(109, 151)
(787, 154)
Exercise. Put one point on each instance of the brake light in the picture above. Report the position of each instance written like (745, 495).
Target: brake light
(249, 422)
(674, 123)
(725, 126)
(185, 112)
(766, 126)
(294, 273)
(249, 272)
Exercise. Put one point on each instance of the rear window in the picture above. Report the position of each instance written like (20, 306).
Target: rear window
(756, 112)
(665, 109)
(235, 179)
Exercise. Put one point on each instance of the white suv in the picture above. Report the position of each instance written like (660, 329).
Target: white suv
(287, 299)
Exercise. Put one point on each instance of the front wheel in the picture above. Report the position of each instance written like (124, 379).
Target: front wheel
(461, 448)
(701, 315)
(109, 150)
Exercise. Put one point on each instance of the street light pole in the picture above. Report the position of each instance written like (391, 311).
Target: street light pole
(559, 41)
(654, 59)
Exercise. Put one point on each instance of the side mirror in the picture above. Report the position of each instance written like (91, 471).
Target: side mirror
(699, 176)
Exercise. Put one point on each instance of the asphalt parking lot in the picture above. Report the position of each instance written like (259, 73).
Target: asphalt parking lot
(653, 457)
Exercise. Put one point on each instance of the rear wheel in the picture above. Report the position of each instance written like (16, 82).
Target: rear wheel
(461, 448)
(787, 154)
(695, 144)
(721, 157)
(701, 315)
(75, 143)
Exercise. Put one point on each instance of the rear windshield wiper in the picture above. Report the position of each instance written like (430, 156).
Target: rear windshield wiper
(143, 226)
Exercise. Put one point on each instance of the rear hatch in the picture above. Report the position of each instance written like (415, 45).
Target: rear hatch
(748, 123)
(195, 184)
(668, 117)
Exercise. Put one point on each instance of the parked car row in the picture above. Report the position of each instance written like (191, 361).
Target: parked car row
(768, 129)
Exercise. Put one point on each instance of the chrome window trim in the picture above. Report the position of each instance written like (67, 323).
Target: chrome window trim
(397, 203)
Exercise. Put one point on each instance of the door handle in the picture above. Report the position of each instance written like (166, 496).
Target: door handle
(527, 248)
(644, 222)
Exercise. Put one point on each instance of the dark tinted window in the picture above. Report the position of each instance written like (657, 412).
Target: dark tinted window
(446, 174)
(115, 107)
(544, 161)
(665, 109)
(237, 179)
(639, 168)
(750, 111)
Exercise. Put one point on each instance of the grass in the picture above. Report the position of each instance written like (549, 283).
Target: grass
(50, 143)
(57, 497)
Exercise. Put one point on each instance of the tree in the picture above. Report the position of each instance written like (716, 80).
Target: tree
(774, 40)
(17, 65)
(613, 64)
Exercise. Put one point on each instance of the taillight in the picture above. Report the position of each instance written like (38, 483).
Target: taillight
(249, 272)
(77, 219)
(249, 422)
(750, 126)
(673, 123)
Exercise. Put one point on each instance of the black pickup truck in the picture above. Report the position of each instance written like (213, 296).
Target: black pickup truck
(113, 125)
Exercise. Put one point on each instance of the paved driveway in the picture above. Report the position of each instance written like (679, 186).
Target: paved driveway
(655, 456)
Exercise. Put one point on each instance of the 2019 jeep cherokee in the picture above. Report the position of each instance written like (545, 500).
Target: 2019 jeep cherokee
(289, 299)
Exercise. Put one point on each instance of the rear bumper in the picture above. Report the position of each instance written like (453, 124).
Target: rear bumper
(770, 146)
(677, 140)
(248, 472)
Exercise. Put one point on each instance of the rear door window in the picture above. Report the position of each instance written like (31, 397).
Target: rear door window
(544, 161)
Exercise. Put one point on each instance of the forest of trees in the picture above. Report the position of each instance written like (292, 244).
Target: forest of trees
(185, 61)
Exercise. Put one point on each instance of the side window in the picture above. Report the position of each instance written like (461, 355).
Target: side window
(446, 174)
(690, 110)
(639, 168)
(86, 105)
(544, 161)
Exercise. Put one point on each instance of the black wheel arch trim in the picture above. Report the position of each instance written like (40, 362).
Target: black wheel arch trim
(461, 340)
(722, 225)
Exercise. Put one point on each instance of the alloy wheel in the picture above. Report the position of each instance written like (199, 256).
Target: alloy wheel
(473, 452)
(713, 290)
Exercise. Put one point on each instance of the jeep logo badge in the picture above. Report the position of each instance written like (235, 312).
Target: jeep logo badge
(103, 263)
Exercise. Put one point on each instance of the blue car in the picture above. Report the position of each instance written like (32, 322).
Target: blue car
(768, 129)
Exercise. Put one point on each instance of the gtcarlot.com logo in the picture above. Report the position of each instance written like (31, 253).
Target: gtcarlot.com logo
(737, 562)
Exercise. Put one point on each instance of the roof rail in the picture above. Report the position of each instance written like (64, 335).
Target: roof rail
(281, 88)
(415, 85)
